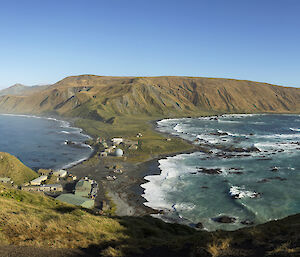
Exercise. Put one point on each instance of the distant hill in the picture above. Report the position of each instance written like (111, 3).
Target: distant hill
(19, 89)
(11, 167)
(99, 97)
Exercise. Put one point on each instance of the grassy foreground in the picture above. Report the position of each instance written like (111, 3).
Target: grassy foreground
(31, 219)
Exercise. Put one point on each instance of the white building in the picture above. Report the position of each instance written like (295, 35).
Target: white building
(51, 188)
(117, 140)
(60, 173)
(39, 180)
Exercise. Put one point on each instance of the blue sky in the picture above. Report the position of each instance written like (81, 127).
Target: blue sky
(45, 41)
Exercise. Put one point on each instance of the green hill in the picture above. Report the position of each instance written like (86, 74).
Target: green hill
(11, 167)
(100, 97)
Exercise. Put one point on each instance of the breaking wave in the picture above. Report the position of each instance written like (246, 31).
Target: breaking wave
(230, 177)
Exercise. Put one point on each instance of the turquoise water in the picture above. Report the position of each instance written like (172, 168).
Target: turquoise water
(253, 186)
(40, 142)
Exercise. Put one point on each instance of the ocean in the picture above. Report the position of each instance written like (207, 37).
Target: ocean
(41, 142)
(249, 170)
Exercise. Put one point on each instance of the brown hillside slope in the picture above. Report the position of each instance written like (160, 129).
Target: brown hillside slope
(96, 97)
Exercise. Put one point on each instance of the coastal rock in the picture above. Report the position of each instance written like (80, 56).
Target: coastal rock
(235, 172)
(210, 171)
(219, 133)
(272, 178)
(242, 150)
(265, 180)
(199, 225)
(236, 168)
(279, 178)
(274, 169)
(252, 149)
(247, 222)
(73, 144)
(239, 192)
(224, 219)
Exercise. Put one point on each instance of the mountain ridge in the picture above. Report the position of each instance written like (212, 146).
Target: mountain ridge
(20, 89)
(103, 97)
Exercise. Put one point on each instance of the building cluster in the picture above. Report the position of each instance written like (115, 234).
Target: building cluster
(43, 188)
(113, 148)
(39, 184)
(84, 194)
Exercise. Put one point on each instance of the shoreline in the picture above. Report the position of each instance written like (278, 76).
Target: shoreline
(126, 193)
(182, 220)
(65, 123)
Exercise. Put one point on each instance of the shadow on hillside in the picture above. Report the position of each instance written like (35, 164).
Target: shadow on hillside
(150, 237)
(65, 209)
(147, 236)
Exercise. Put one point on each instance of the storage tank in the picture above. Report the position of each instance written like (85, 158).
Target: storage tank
(119, 152)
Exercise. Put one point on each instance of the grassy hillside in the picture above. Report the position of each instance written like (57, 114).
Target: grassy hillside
(99, 98)
(31, 219)
(11, 167)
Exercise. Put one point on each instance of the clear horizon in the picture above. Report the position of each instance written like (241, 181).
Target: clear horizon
(46, 41)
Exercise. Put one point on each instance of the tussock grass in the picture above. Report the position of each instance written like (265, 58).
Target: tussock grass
(32, 219)
(35, 220)
(219, 247)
